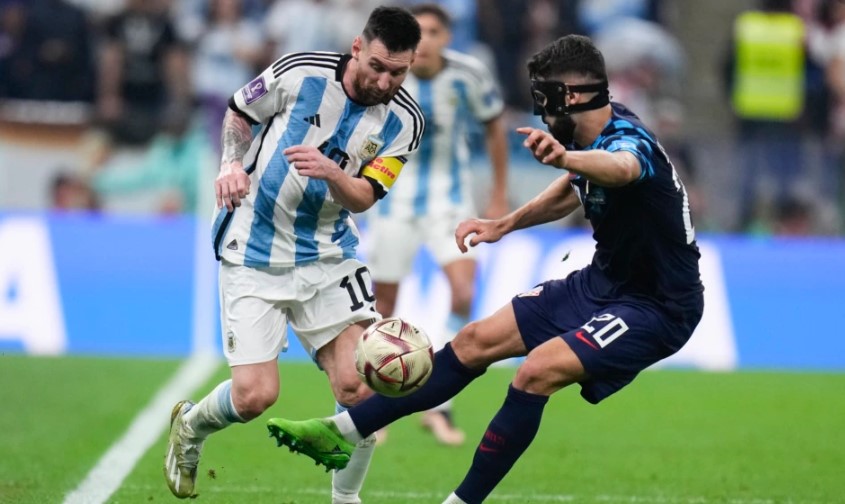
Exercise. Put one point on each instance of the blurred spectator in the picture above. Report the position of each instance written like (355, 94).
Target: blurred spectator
(300, 25)
(793, 217)
(225, 57)
(502, 26)
(178, 164)
(644, 62)
(835, 73)
(45, 52)
(143, 70)
(766, 74)
(596, 15)
(69, 192)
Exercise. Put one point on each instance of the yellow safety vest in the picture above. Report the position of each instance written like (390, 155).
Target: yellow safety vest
(769, 78)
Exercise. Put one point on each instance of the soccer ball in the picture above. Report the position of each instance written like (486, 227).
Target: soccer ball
(394, 358)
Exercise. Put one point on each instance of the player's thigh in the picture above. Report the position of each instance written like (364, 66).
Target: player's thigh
(620, 340)
(332, 295)
(393, 244)
(251, 320)
(548, 368)
(489, 340)
(551, 309)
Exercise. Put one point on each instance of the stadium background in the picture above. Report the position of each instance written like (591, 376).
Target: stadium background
(108, 282)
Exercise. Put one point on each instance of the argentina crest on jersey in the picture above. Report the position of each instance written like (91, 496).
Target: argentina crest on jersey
(372, 145)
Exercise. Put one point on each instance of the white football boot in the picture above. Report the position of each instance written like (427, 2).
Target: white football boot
(183, 453)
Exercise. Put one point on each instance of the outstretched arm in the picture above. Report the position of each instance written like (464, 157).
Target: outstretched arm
(607, 169)
(555, 202)
(232, 182)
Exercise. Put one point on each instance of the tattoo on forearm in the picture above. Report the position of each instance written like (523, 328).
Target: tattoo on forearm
(235, 138)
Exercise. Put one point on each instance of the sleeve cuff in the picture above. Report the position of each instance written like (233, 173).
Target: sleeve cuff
(234, 107)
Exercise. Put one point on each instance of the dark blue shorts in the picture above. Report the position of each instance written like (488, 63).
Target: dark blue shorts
(614, 339)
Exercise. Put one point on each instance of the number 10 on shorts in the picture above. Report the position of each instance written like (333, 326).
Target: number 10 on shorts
(612, 329)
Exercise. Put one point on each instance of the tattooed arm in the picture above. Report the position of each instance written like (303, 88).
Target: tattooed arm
(232, 182)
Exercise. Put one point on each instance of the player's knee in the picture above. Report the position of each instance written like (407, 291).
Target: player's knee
(536, 377)
(251, 403)
(351, 392)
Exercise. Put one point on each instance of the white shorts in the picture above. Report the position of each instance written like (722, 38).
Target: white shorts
(320, 300)
(394, 242)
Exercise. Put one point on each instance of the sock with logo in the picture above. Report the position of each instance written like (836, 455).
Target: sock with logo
(448, 378)
(214, 412)
(508, 435)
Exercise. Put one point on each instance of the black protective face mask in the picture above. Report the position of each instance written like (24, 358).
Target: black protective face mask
(550, 100)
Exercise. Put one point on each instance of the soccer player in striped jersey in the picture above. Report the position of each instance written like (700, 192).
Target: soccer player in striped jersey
(335, 132)
(434, 195)
(638, 301)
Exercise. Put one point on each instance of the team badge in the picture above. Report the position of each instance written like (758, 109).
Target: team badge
(230, 341)
(371, 147)
(532, 293)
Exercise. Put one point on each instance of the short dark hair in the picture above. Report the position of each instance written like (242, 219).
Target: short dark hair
(569, 54)
(435, 10)
(397, 29)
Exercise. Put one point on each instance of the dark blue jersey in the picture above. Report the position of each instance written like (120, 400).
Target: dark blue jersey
(645, 240)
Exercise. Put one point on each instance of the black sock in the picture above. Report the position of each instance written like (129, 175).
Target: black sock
(447, 379)
(508, 435)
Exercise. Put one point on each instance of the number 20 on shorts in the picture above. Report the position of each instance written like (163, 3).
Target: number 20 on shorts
(612, 329)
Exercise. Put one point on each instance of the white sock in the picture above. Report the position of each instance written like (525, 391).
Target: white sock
(443, 407)
(453, 499)
(347, 483)
(214, 412)
(347, 427)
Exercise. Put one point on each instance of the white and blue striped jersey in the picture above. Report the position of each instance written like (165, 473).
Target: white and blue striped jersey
(437, 178)
(288, 219)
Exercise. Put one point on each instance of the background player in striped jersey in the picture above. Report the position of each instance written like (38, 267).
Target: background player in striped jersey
(638, 301)
(335, 131)
(434, 195)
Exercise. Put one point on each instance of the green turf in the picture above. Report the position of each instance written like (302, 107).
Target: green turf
(58, 416)
(673, 437)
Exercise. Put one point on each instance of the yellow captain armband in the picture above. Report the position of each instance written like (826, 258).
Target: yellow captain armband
(384, 170)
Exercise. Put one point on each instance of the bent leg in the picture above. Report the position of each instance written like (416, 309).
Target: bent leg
(336, 358)
(478, 345)
(548, 368)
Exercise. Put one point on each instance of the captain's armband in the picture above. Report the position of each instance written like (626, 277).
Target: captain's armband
(382, 173)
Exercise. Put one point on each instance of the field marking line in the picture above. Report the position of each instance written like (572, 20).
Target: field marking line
(502, 497)
(116, 464)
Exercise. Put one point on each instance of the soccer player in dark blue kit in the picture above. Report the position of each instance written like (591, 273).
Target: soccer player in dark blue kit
(637, 303)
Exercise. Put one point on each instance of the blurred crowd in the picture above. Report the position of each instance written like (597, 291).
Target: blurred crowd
(148, 81)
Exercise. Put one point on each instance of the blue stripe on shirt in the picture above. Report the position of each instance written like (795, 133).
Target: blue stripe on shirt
(308, 211)
(461, 114)
(426, 147)
(391, 130)
(263, 230)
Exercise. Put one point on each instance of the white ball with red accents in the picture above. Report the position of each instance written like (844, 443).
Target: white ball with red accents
(394, 357)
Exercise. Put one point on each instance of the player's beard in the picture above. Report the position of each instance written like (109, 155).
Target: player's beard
(563, 129)
(369, 97)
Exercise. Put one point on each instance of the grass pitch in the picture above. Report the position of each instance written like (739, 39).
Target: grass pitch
(672, 437)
